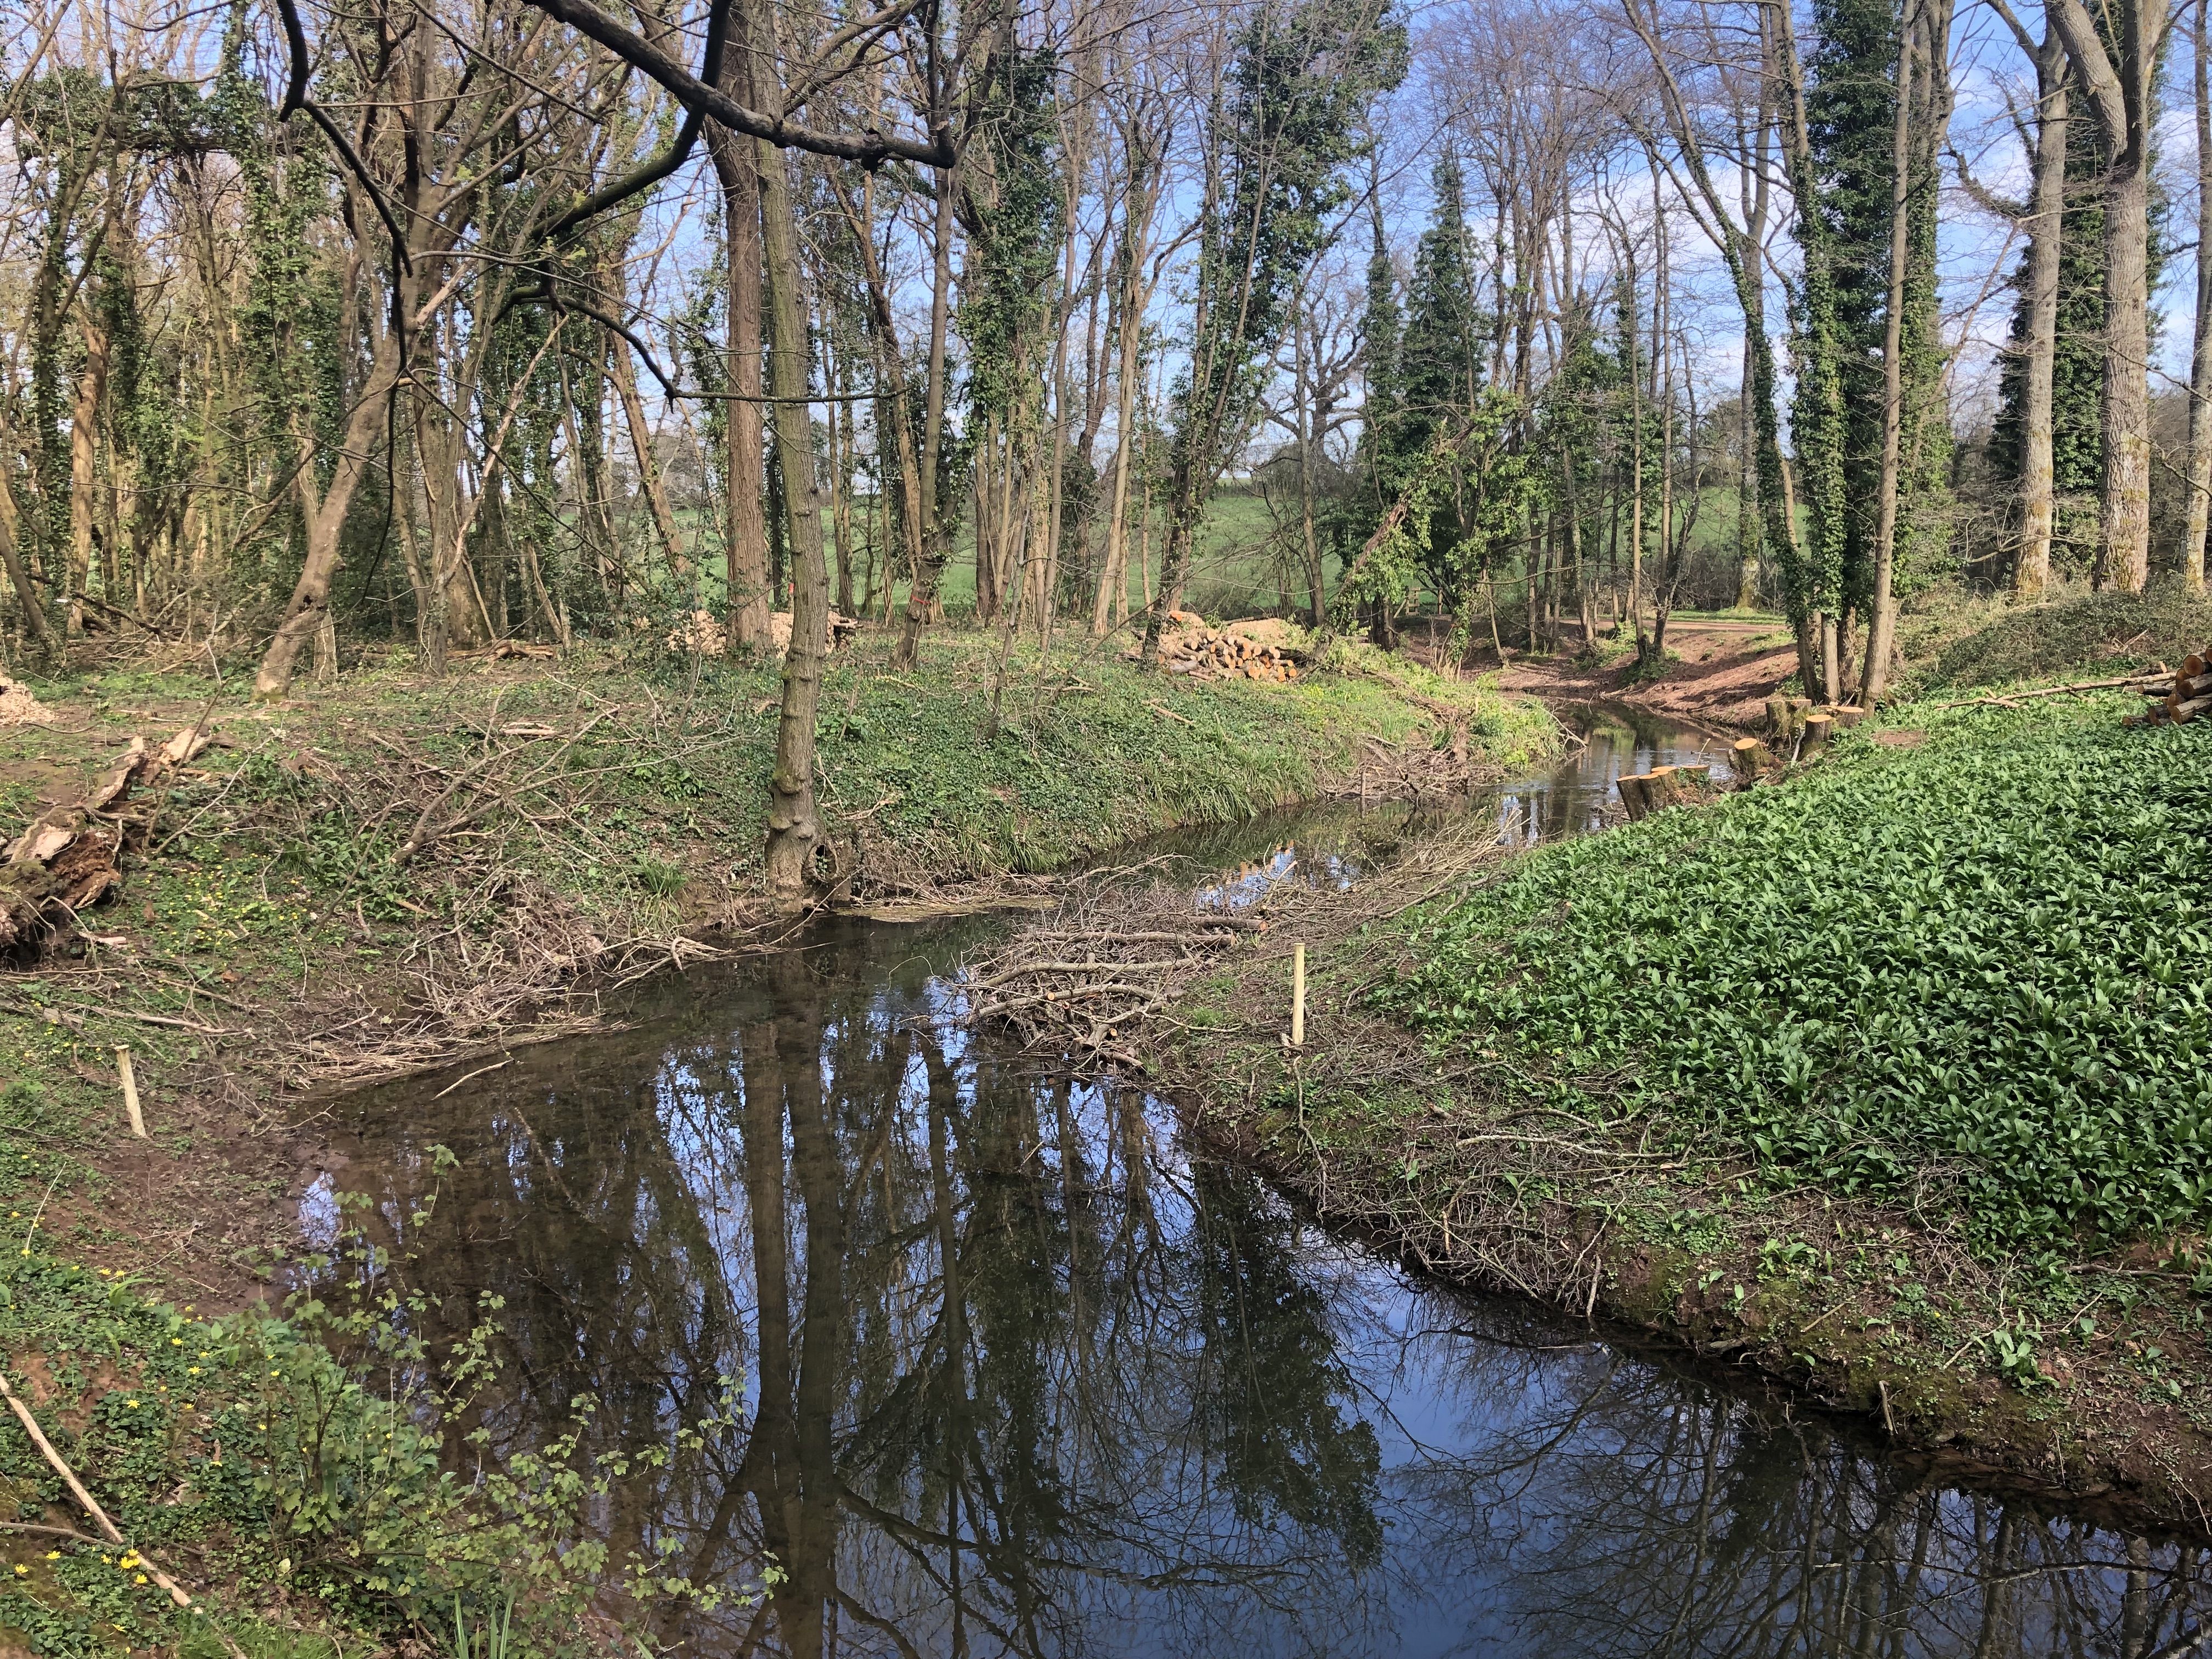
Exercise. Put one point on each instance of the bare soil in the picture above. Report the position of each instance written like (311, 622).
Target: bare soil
(1726, 670)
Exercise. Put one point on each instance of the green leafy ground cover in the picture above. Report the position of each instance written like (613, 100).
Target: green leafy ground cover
(1973, 967)
(306, 1505)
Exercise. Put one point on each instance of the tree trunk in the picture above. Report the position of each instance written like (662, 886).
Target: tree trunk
(2032, 567)
(304, 615)
(929, 555)
(2119, 95)
(648, 466)
(1113, 586)
(2200, 373)
(1882, 625)
(27, 596)
(744, 527)
(84, 437)
(794, 825)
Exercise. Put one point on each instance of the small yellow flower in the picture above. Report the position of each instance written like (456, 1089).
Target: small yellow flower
(20, 1570)
(176, 1341)
(140, 1579)
(53, 1555)
(260, 1426)
(192, 1371)
(132, 1404)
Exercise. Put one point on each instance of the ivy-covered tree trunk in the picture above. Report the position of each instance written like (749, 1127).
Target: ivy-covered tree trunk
(304, 615)
(2116, 79)
(794, 824)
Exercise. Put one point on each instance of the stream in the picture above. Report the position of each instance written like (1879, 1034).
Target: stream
(1020, 1370)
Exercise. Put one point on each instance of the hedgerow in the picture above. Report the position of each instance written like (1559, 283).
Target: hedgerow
(1972, 973)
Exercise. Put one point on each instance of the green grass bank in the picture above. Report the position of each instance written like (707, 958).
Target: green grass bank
(1888, 1079)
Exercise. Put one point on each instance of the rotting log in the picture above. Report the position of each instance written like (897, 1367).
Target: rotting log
(71, 855)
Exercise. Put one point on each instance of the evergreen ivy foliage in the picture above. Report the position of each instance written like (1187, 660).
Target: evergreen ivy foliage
(1840, 313)
(1304, 73)
(2077, 370)
(1436, 436)
(1974, 968)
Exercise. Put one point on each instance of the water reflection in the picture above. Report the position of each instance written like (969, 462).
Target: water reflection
(1023, 1374)
(1618, 738)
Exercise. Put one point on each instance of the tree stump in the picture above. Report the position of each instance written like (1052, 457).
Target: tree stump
(1635, 794)
(1817, 725)
(1749, 758)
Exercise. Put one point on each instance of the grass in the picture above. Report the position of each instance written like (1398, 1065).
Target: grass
(1973, 966)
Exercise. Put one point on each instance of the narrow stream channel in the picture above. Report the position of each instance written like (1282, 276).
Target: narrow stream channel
(1022, 1372)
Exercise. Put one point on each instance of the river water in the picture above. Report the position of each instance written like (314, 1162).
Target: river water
(1019, 1370)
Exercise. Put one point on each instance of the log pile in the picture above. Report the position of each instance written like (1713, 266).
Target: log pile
(1189, 646)
(71, 855)
(702, 632)
(2181, 694)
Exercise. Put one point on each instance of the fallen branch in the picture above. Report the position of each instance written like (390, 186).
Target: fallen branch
(2010, 699)
(91, 1505)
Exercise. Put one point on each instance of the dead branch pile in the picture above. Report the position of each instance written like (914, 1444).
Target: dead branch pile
(72, 854)
(1189, 646)
(703, 633)
(19, 708)
(1415, 770)
(1100, 980)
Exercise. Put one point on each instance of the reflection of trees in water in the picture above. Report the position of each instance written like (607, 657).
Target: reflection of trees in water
(1006, 1371)
(1631, 1513)
(1018, 1380)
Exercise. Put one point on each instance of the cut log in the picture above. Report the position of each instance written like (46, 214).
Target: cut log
(2192, 709)
(1747, 760)
(1817, 724)
(1663, 786)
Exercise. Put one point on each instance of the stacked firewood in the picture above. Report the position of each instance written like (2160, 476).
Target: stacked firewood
(1190, 647)
(2180, 694)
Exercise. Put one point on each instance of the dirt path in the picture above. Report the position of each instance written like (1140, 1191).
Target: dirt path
(1728, 670)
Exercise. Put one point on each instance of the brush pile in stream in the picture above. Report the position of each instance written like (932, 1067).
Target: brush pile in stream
(1102, 979)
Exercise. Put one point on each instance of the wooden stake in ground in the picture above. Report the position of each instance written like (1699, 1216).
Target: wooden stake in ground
(130, 1089)
(1298, 996)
